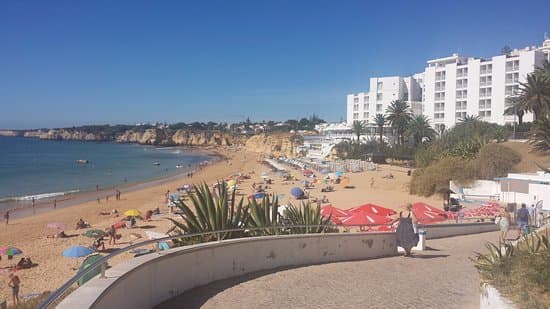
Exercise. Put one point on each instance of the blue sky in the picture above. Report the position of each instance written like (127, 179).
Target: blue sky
(65, 63)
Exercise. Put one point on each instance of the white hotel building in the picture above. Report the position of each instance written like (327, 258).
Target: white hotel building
(452, 87)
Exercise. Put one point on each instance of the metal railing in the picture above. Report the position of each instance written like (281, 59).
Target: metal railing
(277, 230)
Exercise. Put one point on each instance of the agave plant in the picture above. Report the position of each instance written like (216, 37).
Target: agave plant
(307, 214)
(213, 211)
(264, 214)
(491, 264)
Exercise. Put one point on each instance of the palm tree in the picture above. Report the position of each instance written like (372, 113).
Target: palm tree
(380, 121)
(398, 115)
(540, 134)
(419, 128)
(535, 94)
(358, 127)
(515, 106)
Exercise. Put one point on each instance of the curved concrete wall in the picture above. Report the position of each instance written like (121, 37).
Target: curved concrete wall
(149, 280)
(435, 231)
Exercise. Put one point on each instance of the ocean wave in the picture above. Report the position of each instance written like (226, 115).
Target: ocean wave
(39, 196)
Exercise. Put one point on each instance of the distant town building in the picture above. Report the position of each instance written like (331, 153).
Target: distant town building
(452, 88)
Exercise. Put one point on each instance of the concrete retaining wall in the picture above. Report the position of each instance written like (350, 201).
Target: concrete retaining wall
(149, 280)
(448, 230)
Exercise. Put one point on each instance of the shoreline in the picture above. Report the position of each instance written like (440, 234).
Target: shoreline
(89, 195)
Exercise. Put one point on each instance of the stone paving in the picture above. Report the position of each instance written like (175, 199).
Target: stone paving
(441, 277)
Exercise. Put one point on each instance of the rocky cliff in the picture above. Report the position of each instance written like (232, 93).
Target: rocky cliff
(273, 144)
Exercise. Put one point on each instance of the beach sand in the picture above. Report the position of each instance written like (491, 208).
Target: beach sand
(29, 233)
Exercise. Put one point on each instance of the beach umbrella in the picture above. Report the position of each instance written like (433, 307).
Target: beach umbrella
(119, 224)
(305, 182)
(132, 213)
(94, 233)
(259, 195)
(231, 183)
(373, 209)
(363, 218)
(345, 182)
(86, 264)
(77, 251)
(426, 214)
(325, 171)
(7, 250)
(339, 174)
(331, 211)
(56, 225)
(296, 192)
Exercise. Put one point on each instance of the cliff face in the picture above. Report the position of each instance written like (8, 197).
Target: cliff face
(276, 144)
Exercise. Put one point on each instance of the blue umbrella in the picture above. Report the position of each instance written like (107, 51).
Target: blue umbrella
(339, 173)
(77, 251)
(259, 195)
(305, 182)
(325, 171)
(296, 192)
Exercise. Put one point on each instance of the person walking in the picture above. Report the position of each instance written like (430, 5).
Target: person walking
(523, 220)
(504, 224)
(33, 205)
(14, 283)
(406, 236)
(7, 216)
(112, 235)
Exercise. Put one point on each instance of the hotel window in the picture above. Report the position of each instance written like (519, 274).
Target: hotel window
(440, 86)
(355, 100)
(460, 105)
(379, 86)
(485, 80)
(461, 94)
(460, 115)
(485, 114)
(378, 97)
(355, 116)
(355, 107)
(439, 116)
(440, 96)
(462, 72)
(486, 69)
(485, 103)
(365, 115)
(485, 92)
(512, 78)
(512, 90)
(462, 83)
(440, 75)
(439, 107)
(365, 106)
(512, 65)
(378, 107)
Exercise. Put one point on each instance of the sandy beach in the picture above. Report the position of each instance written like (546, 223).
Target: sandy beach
(29, 233)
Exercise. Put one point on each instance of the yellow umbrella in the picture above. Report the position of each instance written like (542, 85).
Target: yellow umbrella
(344, 182)
(132, 213)
(231, 183)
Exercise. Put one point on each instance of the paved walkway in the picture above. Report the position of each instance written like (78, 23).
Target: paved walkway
(442, 277)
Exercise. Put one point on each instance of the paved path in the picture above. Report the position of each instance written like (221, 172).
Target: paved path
(442, 277)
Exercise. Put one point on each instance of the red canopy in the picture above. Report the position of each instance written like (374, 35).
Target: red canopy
(426, 214)
(331, 211)
(373, 209)
(362, 218)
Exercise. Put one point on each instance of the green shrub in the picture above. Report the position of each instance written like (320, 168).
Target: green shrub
(494, 160)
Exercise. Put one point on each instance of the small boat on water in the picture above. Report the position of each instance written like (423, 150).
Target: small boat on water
(82, 161)
(156, 163)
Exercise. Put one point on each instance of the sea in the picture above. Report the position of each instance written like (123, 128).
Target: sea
(49, 169)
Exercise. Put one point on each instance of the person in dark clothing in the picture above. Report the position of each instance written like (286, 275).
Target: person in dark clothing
(406, 236)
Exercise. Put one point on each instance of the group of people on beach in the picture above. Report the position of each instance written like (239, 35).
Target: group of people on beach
(525, 218)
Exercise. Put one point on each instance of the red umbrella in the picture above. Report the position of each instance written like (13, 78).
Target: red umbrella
(373, 209)
(426, 214)
(363, 218)
(331, 211)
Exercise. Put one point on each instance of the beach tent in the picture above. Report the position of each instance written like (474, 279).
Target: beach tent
(373, 209)
(92, 273)
(363, 218)
(296, 192)
(426, 214)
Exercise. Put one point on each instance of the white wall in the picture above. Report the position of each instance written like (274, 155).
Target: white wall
(148, 280)
(435, 231)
